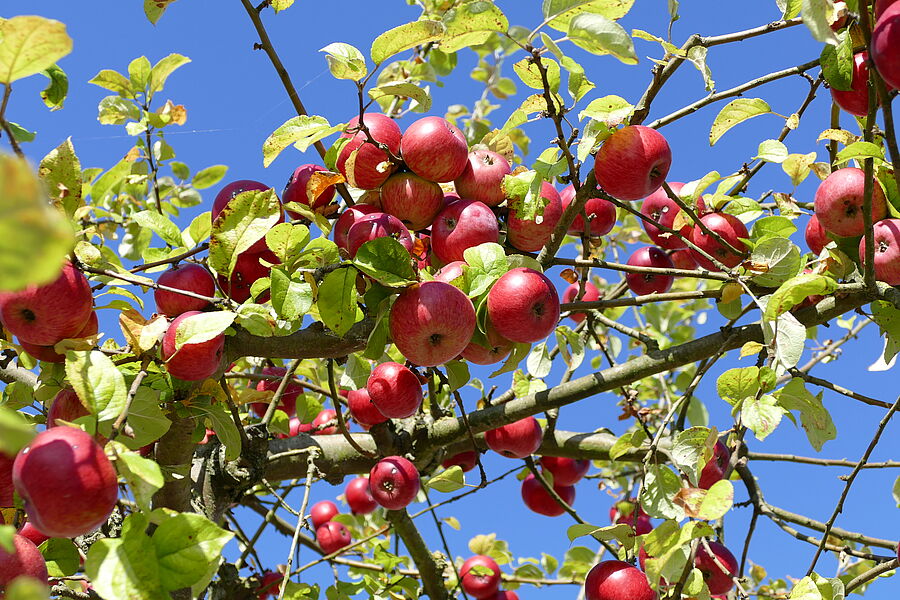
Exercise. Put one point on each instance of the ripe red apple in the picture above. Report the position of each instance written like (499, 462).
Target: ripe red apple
(394, 390)
(649, 283)
(295, 429)
(730, 229)
(498, 348)
(432, 322)
(394, 482)
(227, 194)
(332, 536)
(323, 418)
(714, 470)
(683, 259)
(617, 580)
(30, 531)
(190, 277)
(435, 149)
(49, 354)
(517, 439)
(6, 483)
(530, 235)
(295, 190)
(363, 409)
(538, 500)
(68, 485)
(815, 235)
(358, 496)
(881, 6)
(376, 225)
(856, 100)
(66, 406)
(45, 314)
(460, 225)
(662, 209)
(839, 201)
(288, 401)
(887, 251)
(885, 41)
(482, 179)
(412, 199)
(371, 165)
(719, 580)
(566, 471)
(450, 271)
(247, 270)
(24, 561)
(464, 460)
(523, 305)
(192, 362)
(483, 585)
(506, 595)
(629, 512)
(322, 512)
(633, 162)
(591, 293)
(600, 212)
(269, 585)
(347, 219)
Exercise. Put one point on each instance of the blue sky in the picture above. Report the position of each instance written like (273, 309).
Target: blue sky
(234, 101)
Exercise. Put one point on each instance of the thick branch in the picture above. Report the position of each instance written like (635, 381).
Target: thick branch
(173, 453)
(11, 373)
(431, 572)
(313, 342)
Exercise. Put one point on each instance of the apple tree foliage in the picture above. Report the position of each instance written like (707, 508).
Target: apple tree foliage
(324, 315)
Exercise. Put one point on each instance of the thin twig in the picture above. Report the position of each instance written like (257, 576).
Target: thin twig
(301, 519)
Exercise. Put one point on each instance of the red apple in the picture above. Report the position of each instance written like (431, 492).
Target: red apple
(839, 201)
(322, 512)
(881, 6)
(600, 212)
(394, 482)
(498, 348)
(730, 229)
(192, 362)
(885, 41)
(684, 259)
(347, 219)
(629, 512)
(460, 225)
(68, 485)
(718, 568)
(24, 561)
(371, 165)
(815, 235)
(432, 322)
(227, 194)
(856, 100)
(358, 496)
(570, 294)
(269, 585)
(617, 580)
(30, 531)
(247, 270)
(566, 471)
(49, 354)
(288, 400)
(66, 407)
(451, 271)
(189, 277)
(323, 418)
(45, 314)
(464, 460)
(887, 251)
(376, 225)
(295, 429)
(370, 198)
(482, 179)
(435, 149)
(538, 500)
(649, 283)
(523, 305)
(482, 585)
(394, 390)
(714, 470)
(633, 162)
(517, 439)
(412, 199)
(662, 209)
(505, 595)
(530, 235)
(363, 409)
(332, 536)
(295, 190)
(6, 483)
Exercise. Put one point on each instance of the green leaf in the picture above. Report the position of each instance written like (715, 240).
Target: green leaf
(888, 319)
(280, 5)
(761, 415)
(139, 73)
(622, 533)
(154, 9)
(805, 589)
(29, 45)
(795, 290)
(302, 132)
(186, 544)
(611, 110)
(697, 56)
(471, 24)
(717, 501)
(448, 481)
(772, 151)
(345, 61)
(777, 258)
(404, 90)
(15, 431)
(837, 63)
(814, 417)
(788, 336)
(560, 12)
(60, 171)
(734, 385)
(539, 362)
(736, 111)
(291, 298)
(142, 475)
(126, 567)
(524, 194)
(486, 262)
(203, 327)
(692, 450)
(114, 82)
(658, 493)
(457, 374)
(244, 220)
(160, 225)
(405, 37)
(198, 230)
(530, 75)
(54, 95)
(162, 69)
(627, 442)
(385, 260)
(815, 17)
(337, 300)
(223, 424)
(146, 419)
(599, 35)
(797, 166)
(789, 8)
(860, 151)
(287, 241)
(99, 384)
(63, 559)
(209, 176)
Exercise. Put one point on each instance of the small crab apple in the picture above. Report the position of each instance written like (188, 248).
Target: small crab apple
(633, 162)
(347, 219)
(649, 283)
(296, 189)
(191, 362)
(718, 566)
(323, 418)
(464, 460)
(394, 482)
(566, 471)
(359, 497)
(730, 229)
(839, 202)
(362, 409)
(394, 390)
(412, 199)
(815, 236)
(332, 536)
(530, 235)
(570, 294)
(189, 277)
(377, 225)
(370, 165)
(617, 580)
(482, 179)
(517, 439)
(538, 500)
(887, 250)
(600, 212)
(322, 512)
(288, 401)
(480, 585)
(24, 561)
(714, 470)
(461, 225)
(228, 193)
(49, 353)
(435, 149)
(523, 305)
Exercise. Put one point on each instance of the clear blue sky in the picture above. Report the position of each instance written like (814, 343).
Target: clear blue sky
(234, 101)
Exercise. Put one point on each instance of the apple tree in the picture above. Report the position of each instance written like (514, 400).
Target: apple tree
(412, 315)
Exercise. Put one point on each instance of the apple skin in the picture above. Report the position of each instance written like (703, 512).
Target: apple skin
(6, 483)
(566, 471)
(324, 417)
(856, 100)
(515, 440)
(394, 482)
(499, 348)
(66, 406)
(295, 429)
(30, 531)
(376, 225)
(633, 162)
(49, 354)
(815, 236)
(530, 235)
(288, 401)
(885, 41)
(881, 6)
(347, 219)
(683, 259)
(365, 175)
(332, 536)
(394, 390)
(662, 209)
(295, 190)
(450, 271)
(647, 283)
(637, 518)
(68, 485)
(523, 305)
(435, 149)
(714, 470)
(193, 362)
(464, 460)
(412, 199)
(269, 585)
(460, 225)
(591, 293)
(322, 512)
(190, 277)
(617, 580)
(432, 323)
(887, 251)
(601, 212)
(482, 178)
(717, 580)
(247, 270)
(539, 501)
(358, 496)
(505, 595)
(45, 314)
(839, 201)
(480, 586)
(24, 561)
(227, 193)
(362, 409)
(730, 229)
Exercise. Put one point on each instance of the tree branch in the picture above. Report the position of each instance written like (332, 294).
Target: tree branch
(432, 573)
